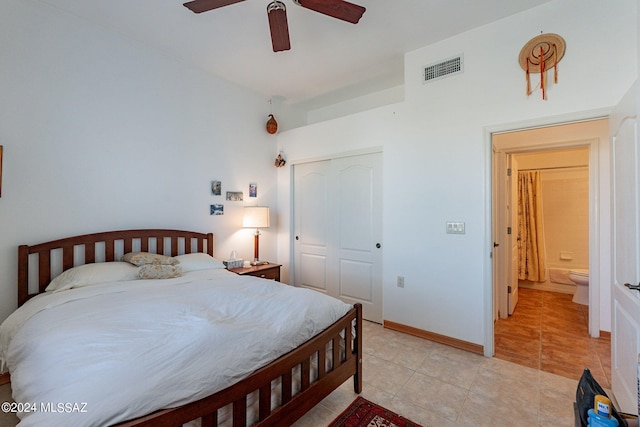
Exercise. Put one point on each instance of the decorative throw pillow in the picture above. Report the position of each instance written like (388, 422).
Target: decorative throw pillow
(142, 258)
(198, 261)
(159, 271)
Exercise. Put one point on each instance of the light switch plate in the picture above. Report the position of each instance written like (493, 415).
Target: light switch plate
(455, 227)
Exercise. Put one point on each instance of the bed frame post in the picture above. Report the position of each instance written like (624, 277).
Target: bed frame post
(357, 378)
(23, 274)
(210, 243)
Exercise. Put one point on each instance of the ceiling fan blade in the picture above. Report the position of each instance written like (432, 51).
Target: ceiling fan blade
(278, 25)
(339, 9)
(199, 6)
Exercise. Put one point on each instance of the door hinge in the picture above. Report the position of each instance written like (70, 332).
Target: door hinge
(509, 172)
(508, 230)
(509, 289)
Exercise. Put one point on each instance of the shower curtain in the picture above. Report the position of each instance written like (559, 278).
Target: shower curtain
(531, 251)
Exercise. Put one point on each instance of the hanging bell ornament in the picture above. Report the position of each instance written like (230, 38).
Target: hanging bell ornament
(272, 125)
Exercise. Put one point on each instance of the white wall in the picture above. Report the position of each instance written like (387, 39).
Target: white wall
(566, 217)
(436, 148)
(101, 133)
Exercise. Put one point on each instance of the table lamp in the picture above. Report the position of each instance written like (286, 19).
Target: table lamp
(256, 217)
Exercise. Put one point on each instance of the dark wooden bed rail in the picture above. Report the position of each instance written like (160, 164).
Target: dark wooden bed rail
(104, 246)
(345, 364)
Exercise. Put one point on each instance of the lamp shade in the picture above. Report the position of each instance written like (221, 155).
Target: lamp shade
(255, 217)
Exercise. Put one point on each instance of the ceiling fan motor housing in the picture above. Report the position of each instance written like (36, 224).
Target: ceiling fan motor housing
(275, 5)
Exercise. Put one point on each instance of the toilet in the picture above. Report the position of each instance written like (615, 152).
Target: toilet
(581, 279)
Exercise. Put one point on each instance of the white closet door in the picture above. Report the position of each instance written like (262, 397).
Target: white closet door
(357, 238)
(338, 229)
(311, 225)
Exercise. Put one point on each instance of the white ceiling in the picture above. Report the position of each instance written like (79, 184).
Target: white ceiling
(327, 56)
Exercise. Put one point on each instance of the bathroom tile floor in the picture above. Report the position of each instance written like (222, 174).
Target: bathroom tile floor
(549, 332)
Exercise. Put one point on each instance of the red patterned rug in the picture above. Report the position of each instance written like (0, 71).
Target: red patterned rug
(362, 413)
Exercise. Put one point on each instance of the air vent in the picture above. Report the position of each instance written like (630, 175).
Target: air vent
(442, 69)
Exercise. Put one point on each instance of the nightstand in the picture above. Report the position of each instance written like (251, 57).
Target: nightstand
(266, 271)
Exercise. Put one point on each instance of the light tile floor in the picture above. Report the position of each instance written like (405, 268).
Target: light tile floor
(439, 386)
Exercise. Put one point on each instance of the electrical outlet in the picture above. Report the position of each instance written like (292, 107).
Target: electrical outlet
(455, 227)
(400, 281)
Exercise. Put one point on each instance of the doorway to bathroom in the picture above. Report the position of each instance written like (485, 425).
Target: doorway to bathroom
(571, 161)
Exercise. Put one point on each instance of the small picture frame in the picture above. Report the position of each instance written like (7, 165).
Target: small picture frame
(235, 196)
(253, 189)
(216, 209)
(216, 188)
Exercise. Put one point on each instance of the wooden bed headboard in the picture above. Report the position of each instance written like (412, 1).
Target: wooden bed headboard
(54, 257)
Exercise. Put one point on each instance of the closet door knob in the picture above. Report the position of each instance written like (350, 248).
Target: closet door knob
(378, 245)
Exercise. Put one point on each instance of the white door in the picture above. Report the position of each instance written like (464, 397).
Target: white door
(311, 225)
(500, 232)
(512, 234)
(505, 252)
(338, 229)
(625, 339)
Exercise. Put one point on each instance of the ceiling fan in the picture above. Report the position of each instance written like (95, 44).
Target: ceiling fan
(277, 13)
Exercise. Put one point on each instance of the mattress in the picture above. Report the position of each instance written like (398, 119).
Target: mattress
(115, 351)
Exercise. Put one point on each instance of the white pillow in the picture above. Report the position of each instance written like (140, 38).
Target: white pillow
(198, 261)
(92, 274)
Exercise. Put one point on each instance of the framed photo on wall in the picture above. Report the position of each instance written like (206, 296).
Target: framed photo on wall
(216, 188)
(234, 196)
(216, 209)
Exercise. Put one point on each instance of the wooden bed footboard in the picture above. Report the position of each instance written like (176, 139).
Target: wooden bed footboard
(346, 362)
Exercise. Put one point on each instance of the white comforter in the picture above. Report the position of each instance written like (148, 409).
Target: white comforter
(115, 351)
